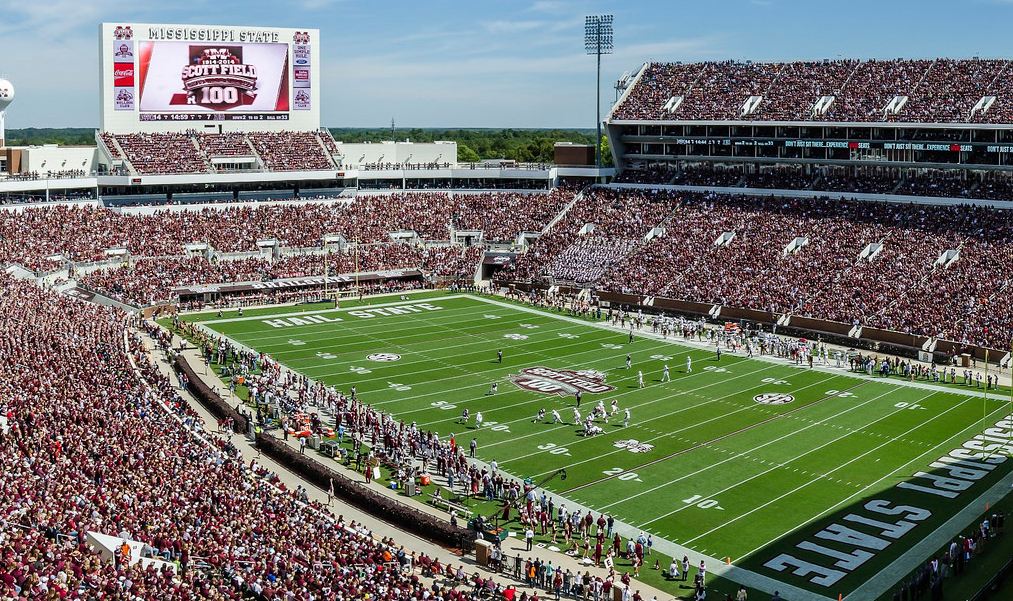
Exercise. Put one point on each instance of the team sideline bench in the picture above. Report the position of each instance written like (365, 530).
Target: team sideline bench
(449, 505)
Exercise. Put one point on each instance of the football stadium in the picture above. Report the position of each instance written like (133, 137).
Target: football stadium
(755, 343)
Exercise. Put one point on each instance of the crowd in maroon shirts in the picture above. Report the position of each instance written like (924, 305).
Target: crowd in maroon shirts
(90, 446)
(292, 151)
(942, 90)
(148, 280)
(85, 233)
(158, 153)
(902, 288)
(232, 144)
(190, 152)
(620, 222)
(949, 183)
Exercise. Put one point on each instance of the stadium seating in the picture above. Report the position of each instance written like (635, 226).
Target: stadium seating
(943, 90)
(91, 445)
(224, 145)
(190, 152)
(291, 151)
(902, 288)
(601, 241)
(167, 153)
(951, 183)
(85, 233)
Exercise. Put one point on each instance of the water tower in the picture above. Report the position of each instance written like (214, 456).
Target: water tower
(6, 98)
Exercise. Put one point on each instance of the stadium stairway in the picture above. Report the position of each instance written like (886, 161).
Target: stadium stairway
(576, 198)
(323, 146)
(109, 547)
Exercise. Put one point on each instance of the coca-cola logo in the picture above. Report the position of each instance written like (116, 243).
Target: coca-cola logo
(561, 381)
(123, 75)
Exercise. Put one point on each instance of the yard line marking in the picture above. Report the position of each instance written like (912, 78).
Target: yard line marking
(972, 427)
(713, 440)
(623, 432)
(668, 435)
(814, 480)
(797, 457)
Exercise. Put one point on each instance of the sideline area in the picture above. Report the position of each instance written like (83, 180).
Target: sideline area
(914, 556)
(513, 547)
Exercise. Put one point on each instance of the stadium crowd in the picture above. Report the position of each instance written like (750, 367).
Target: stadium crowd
(94, 445)
(146, 281)
(292, 151)
(31, 236)
(901, 287)
(190, 152)
(948, 183)
(942, 90)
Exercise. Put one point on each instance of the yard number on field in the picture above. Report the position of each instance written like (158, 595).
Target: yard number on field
(553, 449)
(702, 503)
(495, 426)
(840, 393)
(622, 474)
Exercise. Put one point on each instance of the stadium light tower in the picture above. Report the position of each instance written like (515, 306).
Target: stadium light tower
(598, 41)
(6, 98)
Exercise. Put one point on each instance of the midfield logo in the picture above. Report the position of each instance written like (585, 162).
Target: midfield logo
(561, 381)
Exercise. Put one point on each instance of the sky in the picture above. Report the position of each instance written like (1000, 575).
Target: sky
(511, 63)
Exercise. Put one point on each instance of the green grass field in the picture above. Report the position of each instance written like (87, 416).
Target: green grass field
(716, 473)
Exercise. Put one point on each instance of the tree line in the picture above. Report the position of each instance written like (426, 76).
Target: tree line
(522, 145)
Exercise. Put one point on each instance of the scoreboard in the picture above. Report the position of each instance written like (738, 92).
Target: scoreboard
(208, 77)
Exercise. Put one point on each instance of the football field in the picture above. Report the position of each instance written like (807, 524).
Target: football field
(817, 480)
